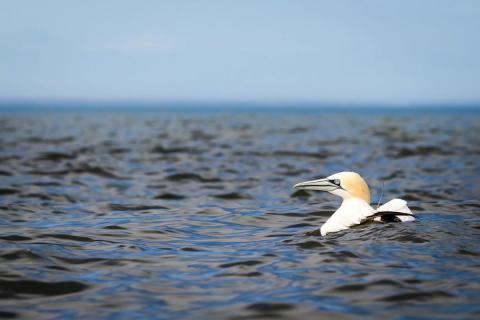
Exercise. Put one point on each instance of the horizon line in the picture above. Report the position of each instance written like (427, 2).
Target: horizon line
(65, 103)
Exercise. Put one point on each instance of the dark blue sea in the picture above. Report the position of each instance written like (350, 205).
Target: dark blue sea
(191, 215)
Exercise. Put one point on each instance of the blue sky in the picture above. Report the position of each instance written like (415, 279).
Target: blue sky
(317, 51)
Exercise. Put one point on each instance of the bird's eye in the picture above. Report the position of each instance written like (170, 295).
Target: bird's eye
(335, 181)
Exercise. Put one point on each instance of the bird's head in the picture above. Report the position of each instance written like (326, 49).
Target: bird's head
(343, 184)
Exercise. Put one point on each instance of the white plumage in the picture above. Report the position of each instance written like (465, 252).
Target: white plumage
(355, 208)
(396, 205)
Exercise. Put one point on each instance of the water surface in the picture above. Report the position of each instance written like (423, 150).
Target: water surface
(192, 215)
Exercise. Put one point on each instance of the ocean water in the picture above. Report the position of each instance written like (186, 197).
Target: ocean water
(191, 215)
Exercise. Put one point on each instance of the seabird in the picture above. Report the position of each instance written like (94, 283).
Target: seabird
(355, 208)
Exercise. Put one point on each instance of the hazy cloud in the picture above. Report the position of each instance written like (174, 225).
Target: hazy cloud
(139, 44)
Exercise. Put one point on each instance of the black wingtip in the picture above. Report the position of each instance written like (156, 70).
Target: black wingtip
(389, 216)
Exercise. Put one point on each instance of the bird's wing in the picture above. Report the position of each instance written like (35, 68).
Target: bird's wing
(393, 210)
(397, 205)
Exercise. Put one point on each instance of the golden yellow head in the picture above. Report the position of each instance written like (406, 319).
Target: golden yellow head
(354, 184)
(344, 184)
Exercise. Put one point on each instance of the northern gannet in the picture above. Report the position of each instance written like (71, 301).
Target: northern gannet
(355, 208)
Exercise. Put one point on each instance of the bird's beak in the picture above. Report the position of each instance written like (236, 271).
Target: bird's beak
(318, 185)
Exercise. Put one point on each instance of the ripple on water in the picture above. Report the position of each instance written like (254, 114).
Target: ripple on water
(14, 289)
(418, 296)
